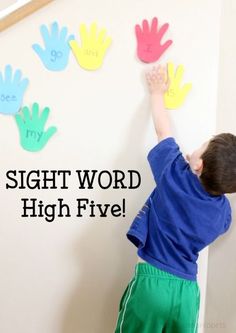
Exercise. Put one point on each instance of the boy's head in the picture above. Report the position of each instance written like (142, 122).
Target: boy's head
(215, 164)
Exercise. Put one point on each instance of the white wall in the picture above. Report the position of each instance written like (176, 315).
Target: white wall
(221, 290)
(68, 276)
(5, 3)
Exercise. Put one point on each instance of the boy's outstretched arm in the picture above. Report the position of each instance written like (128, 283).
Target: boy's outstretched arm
(158, 84)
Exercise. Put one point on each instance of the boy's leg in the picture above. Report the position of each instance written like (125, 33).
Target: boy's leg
(145, 304)
(122, 302)
(157, 301)
(185, 309)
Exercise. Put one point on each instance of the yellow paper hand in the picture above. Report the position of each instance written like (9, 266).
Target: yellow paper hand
(176, 95)
(93, 47)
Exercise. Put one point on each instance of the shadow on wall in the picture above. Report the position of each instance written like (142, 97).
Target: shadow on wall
(103, 252)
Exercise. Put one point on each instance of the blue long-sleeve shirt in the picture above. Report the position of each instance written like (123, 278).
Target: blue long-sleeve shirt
(179, 218)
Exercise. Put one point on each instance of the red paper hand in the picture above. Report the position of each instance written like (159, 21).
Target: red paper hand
(149, 48)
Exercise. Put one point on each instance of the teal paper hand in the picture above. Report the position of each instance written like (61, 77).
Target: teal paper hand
(12, 89)
(32, 134)
(55, 56)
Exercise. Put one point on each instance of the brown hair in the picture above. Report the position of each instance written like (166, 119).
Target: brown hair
(219, 165)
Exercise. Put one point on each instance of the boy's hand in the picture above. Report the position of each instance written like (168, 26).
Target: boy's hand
(157, 80)
(158, 83)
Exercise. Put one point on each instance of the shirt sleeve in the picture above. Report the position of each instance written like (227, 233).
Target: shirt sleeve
(228, 221)
(138, 230)
(226, 217)
(161, 155)
(137, 236)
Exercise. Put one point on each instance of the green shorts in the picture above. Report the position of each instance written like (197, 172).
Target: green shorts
(156, 301)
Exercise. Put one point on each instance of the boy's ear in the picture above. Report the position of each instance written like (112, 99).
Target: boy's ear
(199, 166)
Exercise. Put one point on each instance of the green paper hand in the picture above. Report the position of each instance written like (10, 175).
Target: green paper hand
(32, 134)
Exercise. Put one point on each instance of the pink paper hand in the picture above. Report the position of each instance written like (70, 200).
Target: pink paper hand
(149, 48)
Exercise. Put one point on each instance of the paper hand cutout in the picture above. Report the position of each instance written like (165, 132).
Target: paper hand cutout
(55, 56)
(176, 94)
(31, 128)
(149, 48)
(93, 47)
(12, 89)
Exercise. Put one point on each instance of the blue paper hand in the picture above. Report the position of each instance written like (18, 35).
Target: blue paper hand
(12, 89)
(55, 56)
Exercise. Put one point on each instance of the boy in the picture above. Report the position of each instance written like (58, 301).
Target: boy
(186, 211)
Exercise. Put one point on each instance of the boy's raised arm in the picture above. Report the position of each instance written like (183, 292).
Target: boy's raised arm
(158, 84)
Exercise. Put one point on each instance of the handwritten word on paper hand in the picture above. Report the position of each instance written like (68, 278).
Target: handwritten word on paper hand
(12, 89)
(33, 137)
(176, 94)
(149, 47)
(55, 55)
(94, 44)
